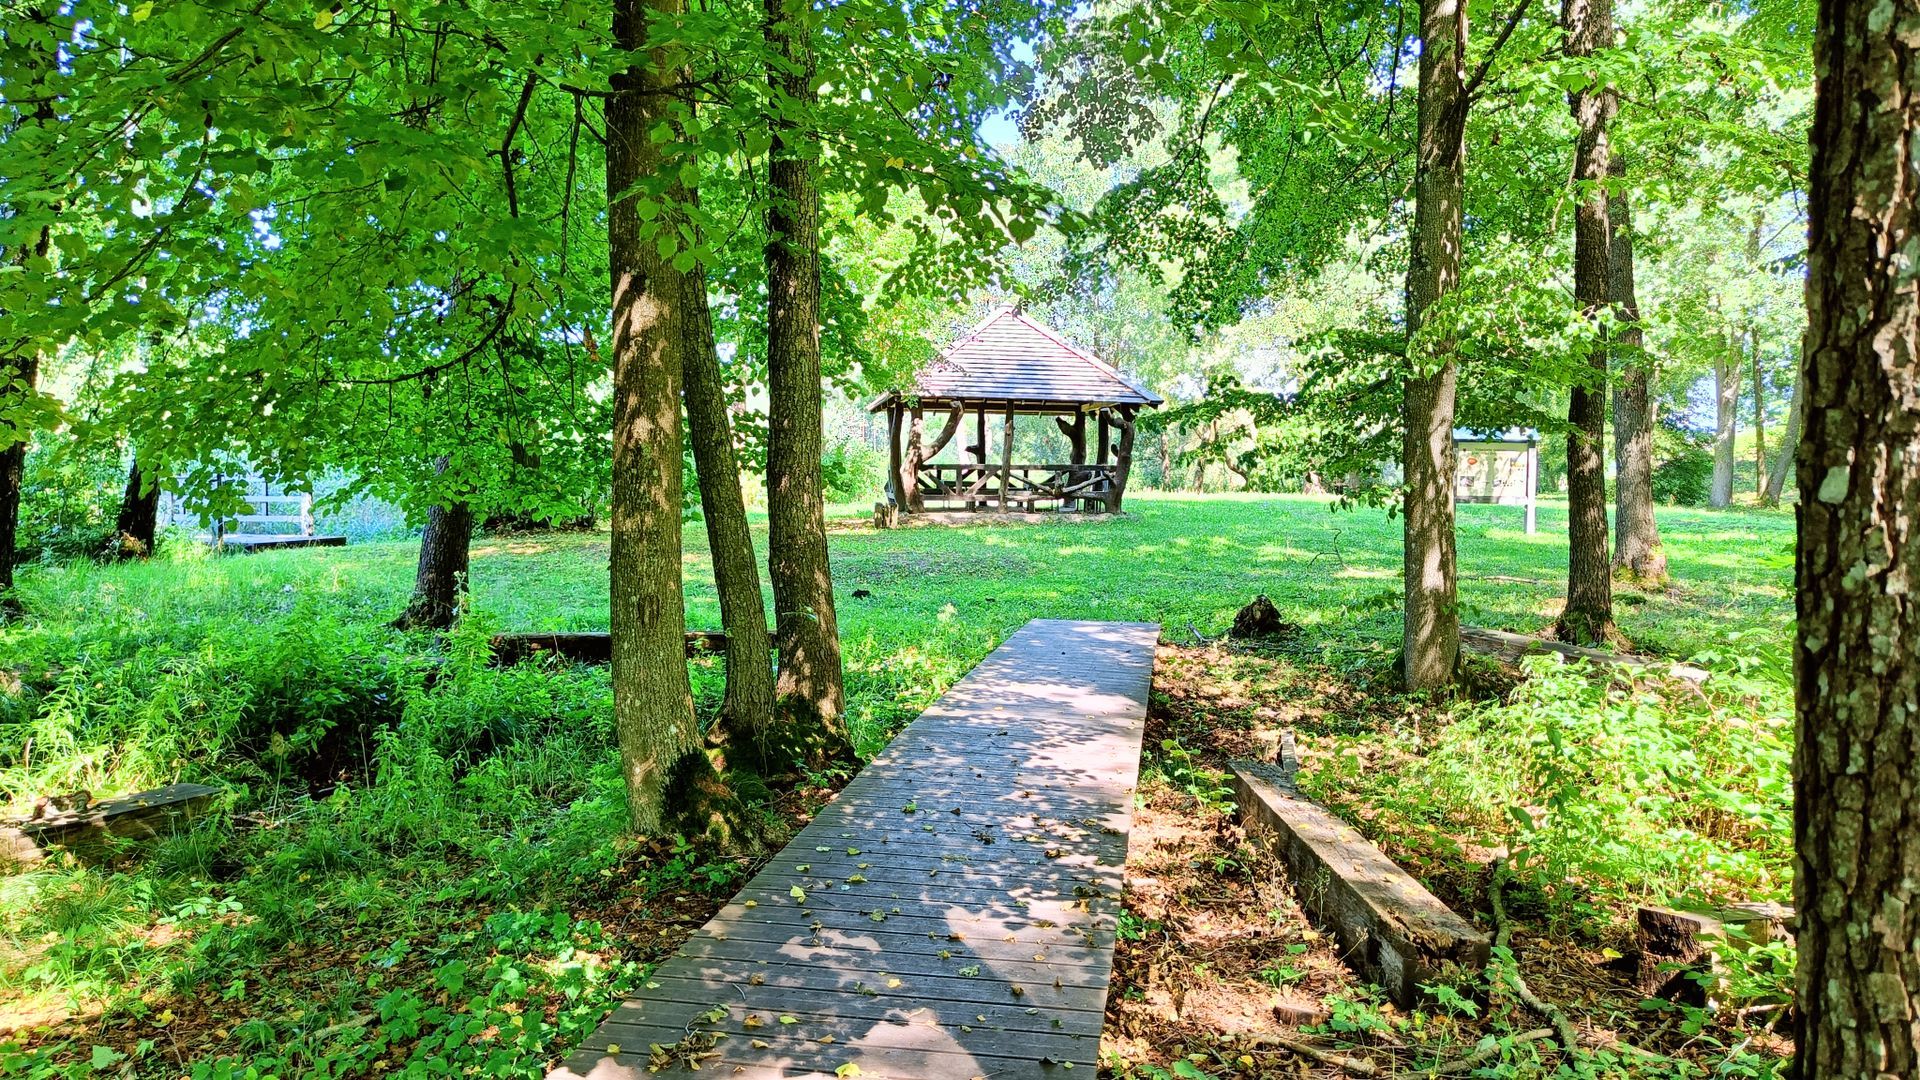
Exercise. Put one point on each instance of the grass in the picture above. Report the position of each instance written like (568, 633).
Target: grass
(464, 901)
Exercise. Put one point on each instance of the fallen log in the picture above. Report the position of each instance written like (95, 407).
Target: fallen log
(144, 815)
(1511, 647)
(1390, 928)
(584, 646)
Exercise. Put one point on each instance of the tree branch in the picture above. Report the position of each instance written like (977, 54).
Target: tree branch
(1499, 42)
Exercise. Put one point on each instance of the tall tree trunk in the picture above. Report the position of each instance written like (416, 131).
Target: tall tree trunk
(1856, 777)
(1759, 418)
(1789, 445)
(1726, 420)
(440, 577)
(138, 521)
(1588, 616)
(19, 382)
(1636, 550)
(671, 784)
(20, 363)
(1753, 352)
(809, 698)
(746, 708)
(1430, 628)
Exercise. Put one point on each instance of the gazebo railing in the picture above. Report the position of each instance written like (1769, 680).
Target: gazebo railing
(974, 486)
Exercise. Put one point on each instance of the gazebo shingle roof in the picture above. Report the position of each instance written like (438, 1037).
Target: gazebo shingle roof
(1011, 357)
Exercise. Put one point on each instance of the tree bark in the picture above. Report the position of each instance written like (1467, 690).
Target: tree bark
(809, 698)
(1759, 420)
(746, 707)
(1637, 555)
(1588, 616)
(1857, 672)
(1789, 445)
(1430, 626)
(671, 784)
(138, 521)
(20, 364)
(1726, 420)
(1753, 353)
(21, 381)
(440, 576)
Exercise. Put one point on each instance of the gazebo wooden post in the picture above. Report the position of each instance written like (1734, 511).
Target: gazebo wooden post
(895, 495)
(1006, 457)
(916, 436)
(1101, 440)
(979, 452)
(1078, 438)
(1122, 458)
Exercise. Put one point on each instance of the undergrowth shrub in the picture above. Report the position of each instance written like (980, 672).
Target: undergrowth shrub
(1685, 468)
(248, 704)
(69, 498)
(1603, 791)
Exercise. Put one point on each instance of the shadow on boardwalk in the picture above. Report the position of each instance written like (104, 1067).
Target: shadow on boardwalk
(950, 915)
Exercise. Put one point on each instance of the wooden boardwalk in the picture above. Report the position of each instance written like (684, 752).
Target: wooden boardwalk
(950, 915)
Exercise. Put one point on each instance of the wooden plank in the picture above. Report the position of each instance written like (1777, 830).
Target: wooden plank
(1392, 929)
(929, 943)
(584, 646)
(143, 815)
(1510, 647)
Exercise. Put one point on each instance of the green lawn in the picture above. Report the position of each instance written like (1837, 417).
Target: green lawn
(944, 597)
(459, 896)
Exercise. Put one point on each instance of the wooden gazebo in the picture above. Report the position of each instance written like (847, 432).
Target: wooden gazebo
(1011, 365)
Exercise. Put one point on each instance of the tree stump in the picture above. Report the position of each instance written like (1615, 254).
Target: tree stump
(1261, 619)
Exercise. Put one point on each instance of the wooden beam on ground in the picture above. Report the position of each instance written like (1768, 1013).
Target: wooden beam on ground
(145, 815)
(585, 646)
(1390, 928)
(251, 542)
(1511, 647)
